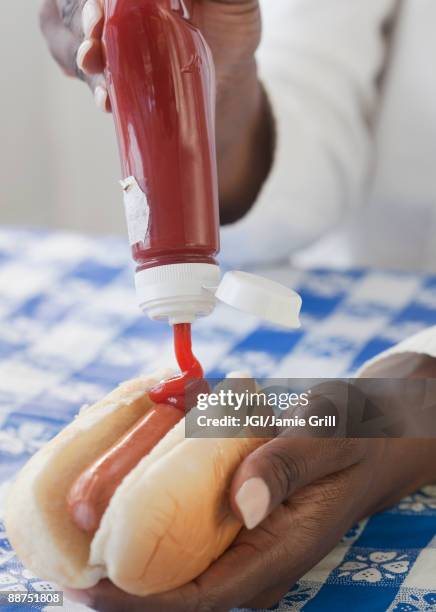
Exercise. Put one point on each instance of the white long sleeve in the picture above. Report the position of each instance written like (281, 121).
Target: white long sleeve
(319, 61)
(422, 343)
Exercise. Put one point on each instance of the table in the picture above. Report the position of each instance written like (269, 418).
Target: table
(70, 331)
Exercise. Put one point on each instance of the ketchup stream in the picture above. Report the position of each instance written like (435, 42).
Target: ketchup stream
(174, 390)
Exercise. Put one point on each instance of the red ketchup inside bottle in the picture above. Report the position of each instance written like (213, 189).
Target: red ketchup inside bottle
(160, 78)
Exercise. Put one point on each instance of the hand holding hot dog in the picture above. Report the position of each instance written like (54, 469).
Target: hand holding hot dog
(297, 497)
(312, 492)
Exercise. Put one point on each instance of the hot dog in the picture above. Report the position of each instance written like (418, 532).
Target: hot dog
(160, 521)
(90, 494)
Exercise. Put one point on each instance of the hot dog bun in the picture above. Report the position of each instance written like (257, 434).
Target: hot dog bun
(167, 521)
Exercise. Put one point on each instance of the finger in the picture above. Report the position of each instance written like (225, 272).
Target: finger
(273, 472)
(62, 43)
(289, 543)
(84, 21)
(101, 97)
(90, 57)
(97, 84)
(93, 19)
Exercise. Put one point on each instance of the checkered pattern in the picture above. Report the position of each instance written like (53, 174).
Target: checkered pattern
(70, 331)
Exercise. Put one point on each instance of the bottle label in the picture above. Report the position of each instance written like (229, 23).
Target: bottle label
(137, 210)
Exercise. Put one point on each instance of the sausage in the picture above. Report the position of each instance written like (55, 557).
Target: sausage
(91, 493)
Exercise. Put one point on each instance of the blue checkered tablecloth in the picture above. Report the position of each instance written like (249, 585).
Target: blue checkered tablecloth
(70, 331)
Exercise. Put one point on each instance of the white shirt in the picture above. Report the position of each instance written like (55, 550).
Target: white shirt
(352, 86)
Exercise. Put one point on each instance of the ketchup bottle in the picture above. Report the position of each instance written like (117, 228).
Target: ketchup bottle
(160, 77)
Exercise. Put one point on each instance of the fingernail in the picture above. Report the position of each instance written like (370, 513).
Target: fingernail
(80, 597)
(100, 97)
(82, 51)
(91, 15)
(253, 500)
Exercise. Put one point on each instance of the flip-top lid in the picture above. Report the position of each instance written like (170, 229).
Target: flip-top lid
(262, 297)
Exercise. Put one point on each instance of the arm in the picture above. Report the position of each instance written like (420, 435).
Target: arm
(319, 63)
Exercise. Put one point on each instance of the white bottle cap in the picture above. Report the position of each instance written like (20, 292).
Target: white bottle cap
(177, 292)
(183, 292)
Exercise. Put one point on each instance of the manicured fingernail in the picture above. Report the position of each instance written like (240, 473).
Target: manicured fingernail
(82, 52)
(91, 15)
(100, 97)
(80, 597)
(253, 500)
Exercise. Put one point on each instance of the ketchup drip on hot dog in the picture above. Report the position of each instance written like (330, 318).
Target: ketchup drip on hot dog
(92, 491)
(173, 390)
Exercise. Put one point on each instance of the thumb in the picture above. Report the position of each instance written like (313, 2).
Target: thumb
(273, 472)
